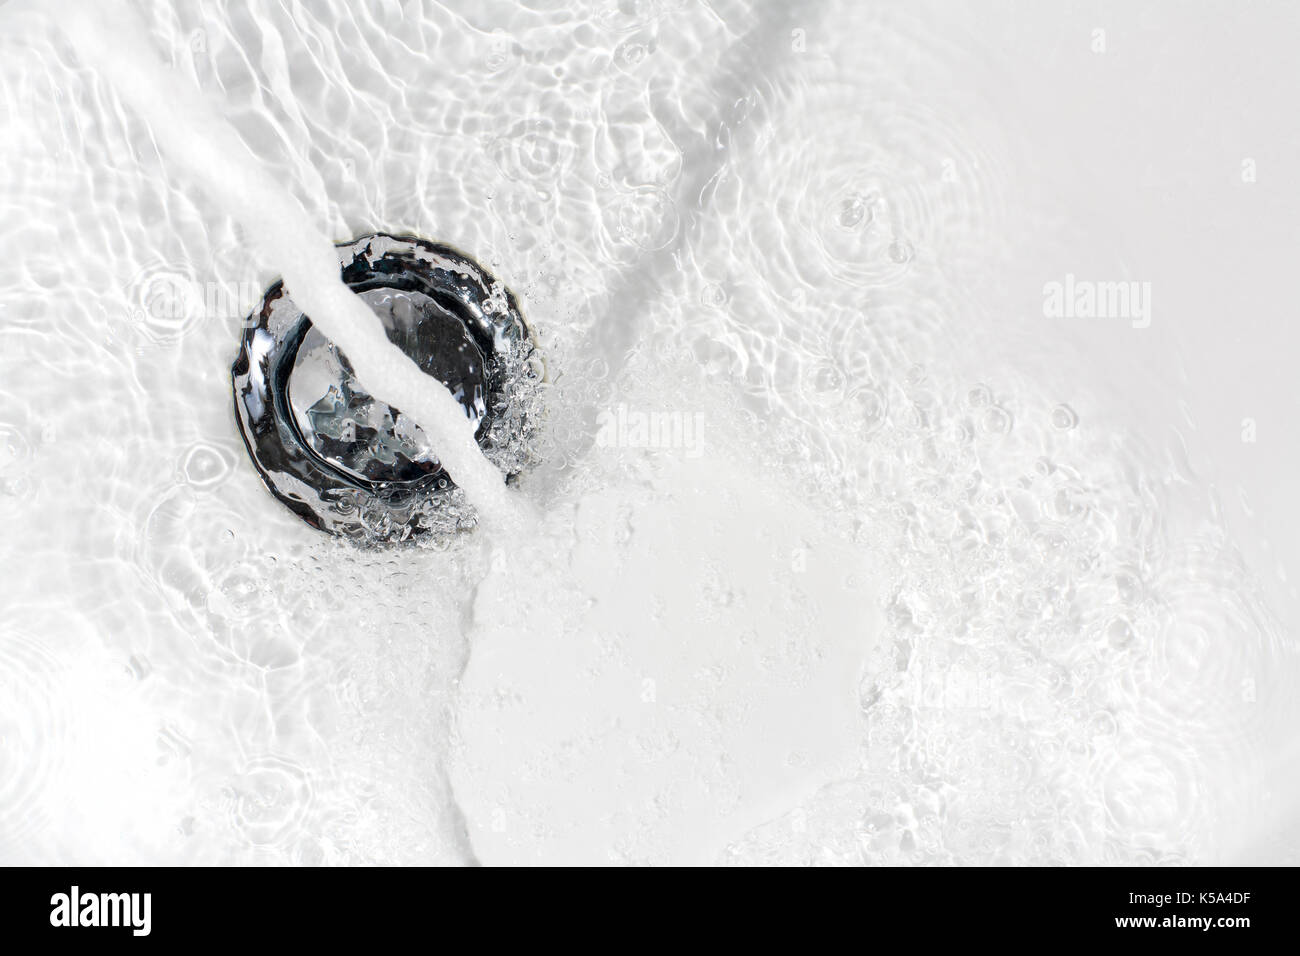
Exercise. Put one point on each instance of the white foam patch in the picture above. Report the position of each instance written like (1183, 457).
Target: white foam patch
(690, 673)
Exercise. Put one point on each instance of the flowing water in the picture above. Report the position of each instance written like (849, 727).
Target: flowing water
(831, 566)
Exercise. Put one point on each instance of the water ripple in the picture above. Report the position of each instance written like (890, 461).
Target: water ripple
(34, 726)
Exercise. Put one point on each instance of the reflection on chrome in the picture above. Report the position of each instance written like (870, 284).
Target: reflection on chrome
(349, 463)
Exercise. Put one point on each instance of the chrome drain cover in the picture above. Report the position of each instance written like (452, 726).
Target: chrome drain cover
(349, 463)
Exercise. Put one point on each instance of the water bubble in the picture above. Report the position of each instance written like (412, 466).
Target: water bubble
(205, 465)
(980, 396)
(166, 302)
(501, 53)
(238, 592)
(272, 796)
(900, 251)
(853, 231)
(874, 407)
(1119, 633)
(14, 447)
(534, 151)
(1064, 418)
(825, 383)
(854, 212)
(631, 54)
(625, 15)
(713, 296)
(15, 488)
(1066, 506)
(535, 367)
(997, 420)
(1128, 586)
(647, 218)
(1103, 724)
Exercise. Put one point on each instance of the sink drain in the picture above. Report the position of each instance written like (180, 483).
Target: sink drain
(349, 463)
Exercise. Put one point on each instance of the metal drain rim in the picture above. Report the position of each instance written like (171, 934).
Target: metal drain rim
(313, 487)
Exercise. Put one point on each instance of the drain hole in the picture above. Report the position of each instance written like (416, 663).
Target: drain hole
(346, 461)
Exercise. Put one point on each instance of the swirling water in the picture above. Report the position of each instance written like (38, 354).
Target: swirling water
(875, 593)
